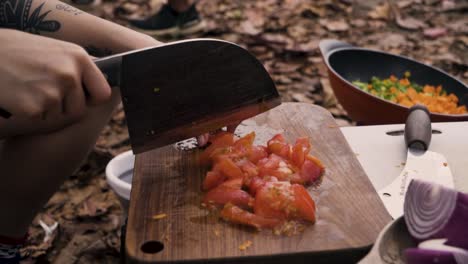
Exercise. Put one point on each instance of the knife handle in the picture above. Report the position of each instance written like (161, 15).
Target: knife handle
(418, 129)
(109, 66)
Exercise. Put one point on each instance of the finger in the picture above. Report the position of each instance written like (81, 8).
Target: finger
(203, 139)
(74, 103)
(95, 83)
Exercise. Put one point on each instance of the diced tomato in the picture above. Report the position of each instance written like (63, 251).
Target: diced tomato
(220, 152)
(255, 184)
(316, 161)
(235, 214)
(282, 200)
(275, 166)
(245, 142)
(311, 170)
(279, 146)
(304, 203)
(274, 175)
(233, 184)
(248, 168)
(213, 178)
(274, 200)
(299, 151)
(220, 140)
(226, 166)
(257, 153)
(222, 195)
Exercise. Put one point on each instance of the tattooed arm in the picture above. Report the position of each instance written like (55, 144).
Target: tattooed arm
(58, 20)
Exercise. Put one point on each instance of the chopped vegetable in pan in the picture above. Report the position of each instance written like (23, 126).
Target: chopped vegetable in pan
(404, 92)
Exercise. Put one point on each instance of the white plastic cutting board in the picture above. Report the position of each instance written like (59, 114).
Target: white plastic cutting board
(382, 156)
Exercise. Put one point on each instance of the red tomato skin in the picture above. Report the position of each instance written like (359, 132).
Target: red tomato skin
(304, 203)
(212, 179)
(255, 184)
(227, 167)
(299, 151)
(237, 215)
(257, 153)
(223, 195)
(244, 142)
(221, 140)
(311, 170)
(278, 145)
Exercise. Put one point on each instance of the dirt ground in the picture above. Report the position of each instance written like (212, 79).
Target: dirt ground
(284, 35)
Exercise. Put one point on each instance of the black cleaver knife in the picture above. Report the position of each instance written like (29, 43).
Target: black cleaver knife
(185, 88)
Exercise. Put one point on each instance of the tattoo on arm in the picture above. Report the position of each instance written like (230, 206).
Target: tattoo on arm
(17, 14)
(68, 9)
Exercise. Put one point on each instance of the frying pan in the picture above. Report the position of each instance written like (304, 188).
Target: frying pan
(347, 63)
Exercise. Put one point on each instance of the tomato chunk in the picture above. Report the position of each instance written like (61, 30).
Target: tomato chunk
(222, 195)
(221, 140)
(311, 170)
(281, 200)
(226, 166)
(212, 179)
(237, 215)
(299, 151)
(275, 166)
(279, 146)
(304, 203)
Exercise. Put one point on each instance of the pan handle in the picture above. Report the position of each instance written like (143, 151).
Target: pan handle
(328, 45)
(109, 66)
(418, 129)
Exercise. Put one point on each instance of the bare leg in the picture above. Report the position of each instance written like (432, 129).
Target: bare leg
(33, 166)
(180, 5)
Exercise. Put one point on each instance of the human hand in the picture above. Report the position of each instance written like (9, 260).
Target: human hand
(44, 78)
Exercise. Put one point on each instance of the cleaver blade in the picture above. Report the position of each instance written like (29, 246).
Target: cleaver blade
(186, 88)
(420, 162)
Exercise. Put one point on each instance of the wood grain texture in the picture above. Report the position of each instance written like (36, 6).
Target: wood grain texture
(168, 180)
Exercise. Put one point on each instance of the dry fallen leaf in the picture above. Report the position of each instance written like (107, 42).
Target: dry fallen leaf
(410, 23)
(434, 32)
(335, 25)
(380, 12)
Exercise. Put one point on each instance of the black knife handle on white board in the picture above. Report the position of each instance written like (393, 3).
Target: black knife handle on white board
(418, 129)
(109, 66)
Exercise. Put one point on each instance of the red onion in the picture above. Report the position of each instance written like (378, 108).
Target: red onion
(437, 217)
(428, 256)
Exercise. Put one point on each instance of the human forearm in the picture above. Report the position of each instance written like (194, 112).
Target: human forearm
(55, 19)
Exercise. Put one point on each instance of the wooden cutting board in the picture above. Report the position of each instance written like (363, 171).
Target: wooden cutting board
(168, 180)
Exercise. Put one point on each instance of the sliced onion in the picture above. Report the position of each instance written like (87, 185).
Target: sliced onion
(428, 256)
(428, 208)
(434, 211)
